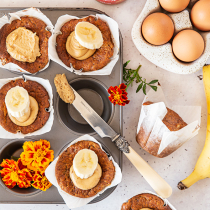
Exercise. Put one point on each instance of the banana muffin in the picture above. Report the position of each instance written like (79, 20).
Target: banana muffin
(38, 92)
(145, 200)
(65, 162)
(100, 58)
(172, 121)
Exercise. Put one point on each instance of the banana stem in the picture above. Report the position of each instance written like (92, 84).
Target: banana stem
(191, 179)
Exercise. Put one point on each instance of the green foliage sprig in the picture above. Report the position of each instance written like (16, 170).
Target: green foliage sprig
(131, 75)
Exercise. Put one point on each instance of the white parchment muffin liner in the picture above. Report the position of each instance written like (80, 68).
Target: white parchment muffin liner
(31, 12)
(48, 125)
(166, 202)
(162, 55)
(151, 117)
(107, 70)
(72, 201)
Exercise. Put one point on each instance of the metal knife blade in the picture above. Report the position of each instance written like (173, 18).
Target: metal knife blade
(94, 120)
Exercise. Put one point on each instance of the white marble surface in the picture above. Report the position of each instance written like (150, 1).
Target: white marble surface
(179, 89)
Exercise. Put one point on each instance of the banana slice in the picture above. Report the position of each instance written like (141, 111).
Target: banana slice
(85, 163)
(89, 183)
(23, 121)
(17, 102)
(88, 35)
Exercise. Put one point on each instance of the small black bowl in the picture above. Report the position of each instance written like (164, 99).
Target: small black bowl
(95, 94)
(14, 148)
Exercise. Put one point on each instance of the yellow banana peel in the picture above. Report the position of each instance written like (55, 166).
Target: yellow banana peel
(202, 167)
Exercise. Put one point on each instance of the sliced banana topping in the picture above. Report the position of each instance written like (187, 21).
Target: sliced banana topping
(85, 163)
(88, 35)
(89, 183)
(17, 102)
(76, 50)
(24, 121)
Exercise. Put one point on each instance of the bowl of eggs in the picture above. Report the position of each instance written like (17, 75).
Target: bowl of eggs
(174, 34)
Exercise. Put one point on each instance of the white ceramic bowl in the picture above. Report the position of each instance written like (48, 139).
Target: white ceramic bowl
(162, 55)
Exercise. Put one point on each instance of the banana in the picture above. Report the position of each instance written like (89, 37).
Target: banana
(85, 163)
(18, 102)
(88, 35)
(202, 167)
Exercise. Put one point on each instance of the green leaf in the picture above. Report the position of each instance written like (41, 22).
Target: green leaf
(153, 87)
(144, 89)
(125, 64)
(139, 87)
(14, 158)
(153, 81)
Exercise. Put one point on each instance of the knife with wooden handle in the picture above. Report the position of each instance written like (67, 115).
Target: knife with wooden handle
(160, 186)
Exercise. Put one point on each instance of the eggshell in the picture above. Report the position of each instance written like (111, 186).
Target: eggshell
(174, 5)
(157, 28)
(200, 15)
(188, 45)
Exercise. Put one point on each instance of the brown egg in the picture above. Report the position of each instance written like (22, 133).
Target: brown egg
(188, 45)
(158, 28)
(200, 15)
(174, 5)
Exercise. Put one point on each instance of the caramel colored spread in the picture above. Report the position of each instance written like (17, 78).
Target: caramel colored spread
(90, 182)
(76, 50)
(23, 45)
(29, 117)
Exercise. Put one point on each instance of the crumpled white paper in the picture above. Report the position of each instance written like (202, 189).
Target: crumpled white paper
(151, 121)
(165, 200)
(72, 201)
(48, 125)
(32, 12)
(107, 70)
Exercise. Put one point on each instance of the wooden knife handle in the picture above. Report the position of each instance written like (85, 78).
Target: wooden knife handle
(160, 186)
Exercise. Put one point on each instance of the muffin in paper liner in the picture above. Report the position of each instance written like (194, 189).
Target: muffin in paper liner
(156, 137)
(30, 12)
(72, 201)
(48, 125)
(166, 202)
(107, 70)
(162, 55)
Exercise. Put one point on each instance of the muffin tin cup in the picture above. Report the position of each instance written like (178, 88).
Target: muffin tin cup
(14, 148)
(95, 93)
(162, 55)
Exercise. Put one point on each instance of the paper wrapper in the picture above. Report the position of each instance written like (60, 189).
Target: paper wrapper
(107, 70)
(48, 125)
(150, 122)
(72, 201)
(166, 202)
(32, 12)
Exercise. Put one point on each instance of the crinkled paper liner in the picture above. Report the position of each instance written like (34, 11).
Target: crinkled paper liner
(72, 201)
(107, 70)
(32, 12)
(166, 202)
(48, 125)
(151, 121)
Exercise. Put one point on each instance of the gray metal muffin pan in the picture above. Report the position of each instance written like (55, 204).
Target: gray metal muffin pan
(64, 130)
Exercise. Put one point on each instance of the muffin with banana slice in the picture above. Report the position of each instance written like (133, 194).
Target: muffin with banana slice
(84, 169)
(23, 106)
(85, 44)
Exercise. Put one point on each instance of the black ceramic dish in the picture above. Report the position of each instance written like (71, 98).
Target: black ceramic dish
(95, 93)
(14, 148)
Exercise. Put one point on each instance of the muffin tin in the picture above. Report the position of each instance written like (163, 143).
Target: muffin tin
(59, 135)
(162, 55)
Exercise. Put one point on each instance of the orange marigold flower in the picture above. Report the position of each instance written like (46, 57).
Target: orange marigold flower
(37, 155)
(118, 95)
(40, 181)
(15, 173)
